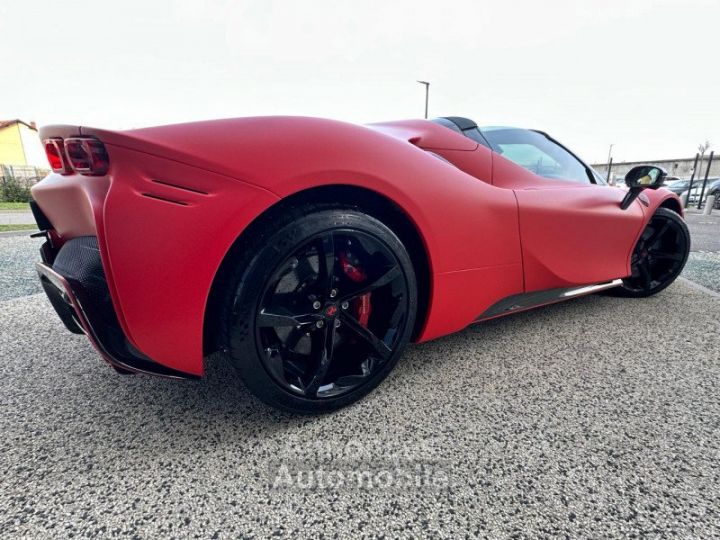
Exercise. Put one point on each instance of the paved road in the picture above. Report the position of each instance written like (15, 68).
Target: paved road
(703, 265)
(705, 230)
(551, 423)
(16, 218)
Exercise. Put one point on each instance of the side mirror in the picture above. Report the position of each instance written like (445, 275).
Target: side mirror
(640, 178)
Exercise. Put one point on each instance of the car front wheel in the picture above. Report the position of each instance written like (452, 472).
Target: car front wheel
(659, 255)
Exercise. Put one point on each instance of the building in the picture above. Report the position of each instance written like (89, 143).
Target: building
(680, 168)
(20, 145)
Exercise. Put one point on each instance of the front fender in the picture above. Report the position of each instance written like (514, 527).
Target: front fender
(665, 198)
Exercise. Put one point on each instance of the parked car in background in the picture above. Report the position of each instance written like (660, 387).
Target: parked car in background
(711, 188)
(619, 181)
(678, 186)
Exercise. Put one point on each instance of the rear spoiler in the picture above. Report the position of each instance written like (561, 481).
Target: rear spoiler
(62, 131)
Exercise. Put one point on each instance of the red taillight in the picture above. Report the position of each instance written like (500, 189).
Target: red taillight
(87, 156)
(56, 155)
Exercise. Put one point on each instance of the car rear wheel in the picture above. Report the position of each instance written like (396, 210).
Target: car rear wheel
(659, 256)
(322, 310)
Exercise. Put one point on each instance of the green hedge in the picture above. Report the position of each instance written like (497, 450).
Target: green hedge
(12, 190)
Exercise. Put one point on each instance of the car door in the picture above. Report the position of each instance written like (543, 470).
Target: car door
(572, 229)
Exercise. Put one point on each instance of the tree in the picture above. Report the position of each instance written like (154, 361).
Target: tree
(702, 148)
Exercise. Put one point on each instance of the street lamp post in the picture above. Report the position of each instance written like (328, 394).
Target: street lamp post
(427, 95)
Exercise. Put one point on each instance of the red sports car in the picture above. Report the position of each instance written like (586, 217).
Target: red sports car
(312, 251)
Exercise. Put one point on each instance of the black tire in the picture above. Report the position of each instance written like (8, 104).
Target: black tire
(659, 256)
(274, 273)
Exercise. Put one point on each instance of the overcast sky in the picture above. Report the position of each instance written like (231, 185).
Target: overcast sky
(644, 75)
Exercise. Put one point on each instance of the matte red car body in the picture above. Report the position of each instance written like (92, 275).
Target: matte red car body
(177, 197)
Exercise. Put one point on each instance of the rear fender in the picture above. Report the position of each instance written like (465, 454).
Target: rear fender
(166, 228)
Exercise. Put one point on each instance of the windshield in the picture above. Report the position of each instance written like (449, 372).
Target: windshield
(535, 152)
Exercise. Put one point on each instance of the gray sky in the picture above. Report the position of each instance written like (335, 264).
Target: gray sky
(641, 74)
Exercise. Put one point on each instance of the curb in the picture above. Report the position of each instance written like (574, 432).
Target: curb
(699, 287)
(26, 232)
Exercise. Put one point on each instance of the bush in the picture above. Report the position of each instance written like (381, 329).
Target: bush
(13, 190)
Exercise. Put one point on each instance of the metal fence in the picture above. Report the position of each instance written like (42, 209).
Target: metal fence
(25, 176)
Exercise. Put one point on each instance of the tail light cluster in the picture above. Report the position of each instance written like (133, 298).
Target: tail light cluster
(84, 155)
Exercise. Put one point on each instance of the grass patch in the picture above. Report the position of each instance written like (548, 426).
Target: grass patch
(19, 206)
(5, 227)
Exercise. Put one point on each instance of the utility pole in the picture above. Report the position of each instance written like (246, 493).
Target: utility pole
(610, 152)
(427, 95)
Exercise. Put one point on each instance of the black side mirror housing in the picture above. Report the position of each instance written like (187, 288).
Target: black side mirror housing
(640, 178)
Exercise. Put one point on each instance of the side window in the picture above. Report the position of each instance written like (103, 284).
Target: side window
(536, 153)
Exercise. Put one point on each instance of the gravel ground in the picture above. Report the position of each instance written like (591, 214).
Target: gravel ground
(557, 422)
(18, 255)
(704, 268)
(545, 424)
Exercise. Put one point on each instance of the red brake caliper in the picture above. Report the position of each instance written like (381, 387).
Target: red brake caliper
(361, 305)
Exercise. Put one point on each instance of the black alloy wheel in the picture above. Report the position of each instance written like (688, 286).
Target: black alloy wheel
(659, 256)
(313, 326)
(323, 312)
